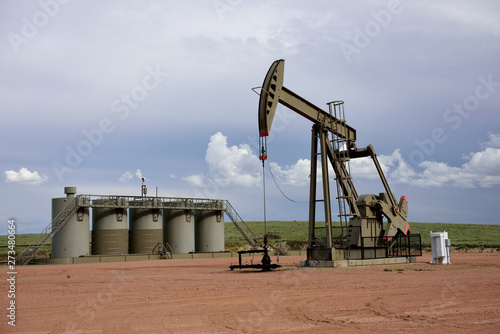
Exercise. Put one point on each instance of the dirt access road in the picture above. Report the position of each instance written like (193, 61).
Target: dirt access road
(204, 296)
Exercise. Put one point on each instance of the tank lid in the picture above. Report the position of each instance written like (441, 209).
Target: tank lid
(70, 191)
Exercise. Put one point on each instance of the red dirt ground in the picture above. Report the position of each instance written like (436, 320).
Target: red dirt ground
(204, 296)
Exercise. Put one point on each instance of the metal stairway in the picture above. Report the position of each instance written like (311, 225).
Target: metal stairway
(241, 226)
(343, 179)
(164, 250)
(29, 253)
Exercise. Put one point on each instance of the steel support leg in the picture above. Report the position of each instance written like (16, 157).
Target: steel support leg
(326, 188)
(312, 186)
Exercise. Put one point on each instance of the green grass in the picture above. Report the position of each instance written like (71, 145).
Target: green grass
(22, 240)
(461, 235)
(295, 234)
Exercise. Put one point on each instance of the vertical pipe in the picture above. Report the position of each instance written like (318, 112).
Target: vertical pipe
(264, 192)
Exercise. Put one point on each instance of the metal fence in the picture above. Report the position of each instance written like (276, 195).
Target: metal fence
(374, 247)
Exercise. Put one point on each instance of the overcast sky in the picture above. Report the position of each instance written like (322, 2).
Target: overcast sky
(97, 94)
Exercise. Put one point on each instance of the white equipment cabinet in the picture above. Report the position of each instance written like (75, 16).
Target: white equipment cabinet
(440, 245)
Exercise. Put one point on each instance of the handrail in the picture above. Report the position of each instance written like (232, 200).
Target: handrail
(241, 225)
(163, 249)
(59, 221)
(182, 203)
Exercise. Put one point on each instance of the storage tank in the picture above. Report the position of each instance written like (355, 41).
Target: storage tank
(145, 228)
(109, 228)
(178, 230)
(209, 231)
(73, 239)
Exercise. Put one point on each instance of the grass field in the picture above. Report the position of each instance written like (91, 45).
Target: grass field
(461, 235)
(295, 234)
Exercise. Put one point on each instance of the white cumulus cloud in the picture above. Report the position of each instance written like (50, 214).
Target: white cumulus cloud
(195, 180)
(494, 140)
(482, 169)
(228, 165)
(139, 175)
(296, 174)
(24, 176)
(236, 165)
(128, 176)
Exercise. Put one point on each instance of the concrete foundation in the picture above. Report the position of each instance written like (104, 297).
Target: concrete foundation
(209, 255)
(353, 263)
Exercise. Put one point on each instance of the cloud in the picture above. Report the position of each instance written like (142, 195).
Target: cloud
(195, 180)
(482, 169)
(228, 165)
(128, 176)
(139, 175)
(236, 165)
(295, 175)
(493, 142)
(363, 168)
(24, 176)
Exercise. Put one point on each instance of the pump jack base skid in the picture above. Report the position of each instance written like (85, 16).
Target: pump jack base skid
(265, 264)
(254, 266)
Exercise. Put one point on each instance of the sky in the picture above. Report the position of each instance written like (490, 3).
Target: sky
(99, 94)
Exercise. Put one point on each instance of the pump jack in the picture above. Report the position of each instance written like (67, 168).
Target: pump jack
(364, 234)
